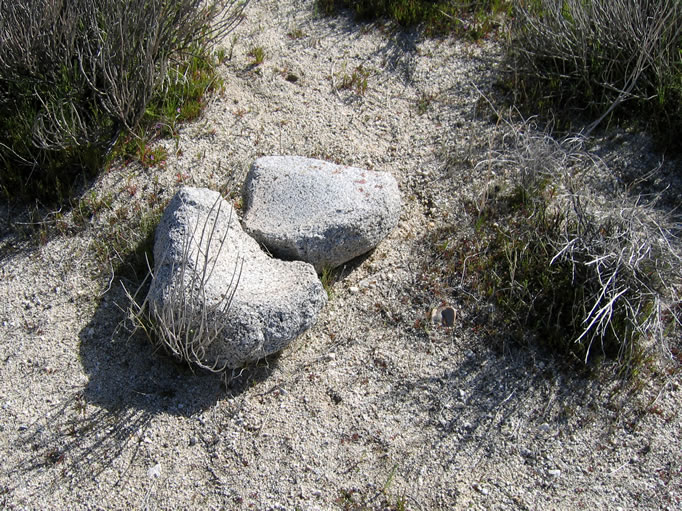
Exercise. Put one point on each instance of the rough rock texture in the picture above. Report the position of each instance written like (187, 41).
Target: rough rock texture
(273, 302)
(319, 212)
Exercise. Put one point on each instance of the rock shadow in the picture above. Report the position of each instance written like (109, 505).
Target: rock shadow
(126, 371)
(130, 382)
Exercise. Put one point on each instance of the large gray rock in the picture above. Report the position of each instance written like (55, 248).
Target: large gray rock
(218, 300)
(316, 211)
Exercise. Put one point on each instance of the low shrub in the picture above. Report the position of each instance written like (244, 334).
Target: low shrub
(473, 19)
(589, 275)
(75, 75)
(591, 59)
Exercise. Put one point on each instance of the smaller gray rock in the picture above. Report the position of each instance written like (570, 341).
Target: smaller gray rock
(221, 300)
(316, 211)
(443, 316)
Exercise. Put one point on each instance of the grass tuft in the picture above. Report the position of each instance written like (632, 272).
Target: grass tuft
(474, 19)
(600, 60)
(180, 324)
(588, 275)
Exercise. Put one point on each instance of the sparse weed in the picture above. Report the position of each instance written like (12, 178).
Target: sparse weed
(566, 255)
(328, 278)
(355, 81)
(587, 276)
(257, 54)
(424, 102)
(296, 33)
(180, 320)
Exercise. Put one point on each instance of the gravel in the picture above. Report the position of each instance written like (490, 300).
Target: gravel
(374, 407)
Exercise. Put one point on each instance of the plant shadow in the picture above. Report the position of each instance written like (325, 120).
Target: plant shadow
(101, 425)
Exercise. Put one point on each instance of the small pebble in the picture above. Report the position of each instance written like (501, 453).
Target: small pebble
(444, 316)
(544, 428)
(481, 489)
(354, 289)
(554, 472)
(154, 471)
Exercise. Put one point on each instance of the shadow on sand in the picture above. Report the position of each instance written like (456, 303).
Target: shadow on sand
(102, 425)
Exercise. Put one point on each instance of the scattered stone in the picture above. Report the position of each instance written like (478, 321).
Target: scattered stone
(247, 304)
(316, 211)
(444, 316)
(481, 489)
(155, 471)
(554, 472)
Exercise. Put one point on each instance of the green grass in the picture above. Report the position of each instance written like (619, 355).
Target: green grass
(329, 277)
(180, 98)
(600, 63)
(355, 80)
(257, 54)
(473, 19)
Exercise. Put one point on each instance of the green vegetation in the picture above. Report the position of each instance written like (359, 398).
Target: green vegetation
(473, 19)
(600, 60)
(257, 54)
(76, 76)
(587, 276)
(180, 98)
(355, 81)
(329, 277)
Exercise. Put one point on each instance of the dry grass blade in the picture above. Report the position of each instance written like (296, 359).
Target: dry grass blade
(600, 268)
(185, 324)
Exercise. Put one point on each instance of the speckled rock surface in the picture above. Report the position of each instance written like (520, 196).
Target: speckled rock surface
(201, 250)
(316, 211)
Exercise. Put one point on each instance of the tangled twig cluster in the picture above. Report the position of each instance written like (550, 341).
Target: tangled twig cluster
(599, 265)
(603, 52)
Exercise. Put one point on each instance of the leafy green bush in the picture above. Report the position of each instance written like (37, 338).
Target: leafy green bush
(592, 57)
(439, 17)
(75, 75)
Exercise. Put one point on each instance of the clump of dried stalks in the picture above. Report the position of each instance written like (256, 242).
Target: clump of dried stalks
(183, 321)
(600, 53)
(74, 74)
(582, 262)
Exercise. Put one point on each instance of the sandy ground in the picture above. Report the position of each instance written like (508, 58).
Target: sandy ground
(372, 408)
